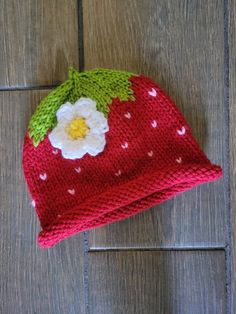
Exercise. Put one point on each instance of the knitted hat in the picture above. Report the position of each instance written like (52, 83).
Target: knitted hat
(106, 145)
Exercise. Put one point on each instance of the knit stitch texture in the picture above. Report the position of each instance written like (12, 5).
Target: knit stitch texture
(101, 85)
(150, 156)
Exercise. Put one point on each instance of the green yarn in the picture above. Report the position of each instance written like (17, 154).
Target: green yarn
(101, 85)
(44, 117)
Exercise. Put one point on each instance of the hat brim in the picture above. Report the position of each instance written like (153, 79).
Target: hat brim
(126, 200)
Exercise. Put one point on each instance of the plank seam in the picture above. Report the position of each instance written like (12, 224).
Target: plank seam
(186, 249)
(86, 234)
(81, 35)
(81, 57)
(228, 254)
(86, 271)
(27, 88)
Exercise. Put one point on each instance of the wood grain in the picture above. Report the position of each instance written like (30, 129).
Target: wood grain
(174, 282)
(39, 40)
(180, 45)
(232, 145)
(33, 280)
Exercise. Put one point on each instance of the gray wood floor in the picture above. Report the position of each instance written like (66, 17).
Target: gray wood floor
(176, 258)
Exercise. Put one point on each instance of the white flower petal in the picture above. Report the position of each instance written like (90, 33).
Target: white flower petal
(97, 123)
(58, 136)
(85, 101)
(95, 140)
(94, 143)
(72, 149)
(84, 107)
(65, 112)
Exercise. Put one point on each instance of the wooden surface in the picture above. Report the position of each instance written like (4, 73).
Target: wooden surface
(157, 282)
(32, 280)
(39, 40)
(141, 265)
(232, 145)
(180, 45)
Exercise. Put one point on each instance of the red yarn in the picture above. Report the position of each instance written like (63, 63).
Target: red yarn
(161, 159)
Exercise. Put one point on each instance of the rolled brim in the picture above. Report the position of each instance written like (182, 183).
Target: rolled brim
(126, 200)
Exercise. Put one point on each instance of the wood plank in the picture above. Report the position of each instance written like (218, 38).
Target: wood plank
(180, 45)
(33, 280)
(39, 40)
(232, 145)
(157, 282)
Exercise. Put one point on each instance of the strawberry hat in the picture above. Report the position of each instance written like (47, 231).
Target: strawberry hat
(106, 145)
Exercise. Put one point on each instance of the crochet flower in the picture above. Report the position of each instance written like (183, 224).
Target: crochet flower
(80, 129)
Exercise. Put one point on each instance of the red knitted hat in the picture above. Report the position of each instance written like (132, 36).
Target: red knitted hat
(106, 145)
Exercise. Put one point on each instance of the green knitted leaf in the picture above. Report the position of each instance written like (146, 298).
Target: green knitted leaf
(44, 117)
(101, 85)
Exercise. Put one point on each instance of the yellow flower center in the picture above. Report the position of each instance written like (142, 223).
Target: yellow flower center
(77, 128)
